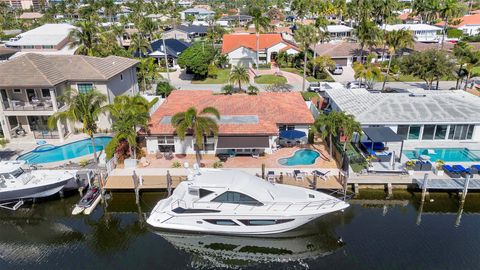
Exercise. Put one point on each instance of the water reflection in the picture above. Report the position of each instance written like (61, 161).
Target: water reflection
(307, 243)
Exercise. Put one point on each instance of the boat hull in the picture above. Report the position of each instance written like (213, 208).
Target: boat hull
(33, 192)
(197, 223)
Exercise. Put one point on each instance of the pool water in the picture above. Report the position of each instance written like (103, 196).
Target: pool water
(51, 153)
(300, 157)
(445, 154)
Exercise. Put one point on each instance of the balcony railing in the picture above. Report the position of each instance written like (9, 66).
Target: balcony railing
(26, 106)
(45, 134)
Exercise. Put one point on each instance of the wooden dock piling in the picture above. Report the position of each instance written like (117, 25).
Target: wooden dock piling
(424, 187)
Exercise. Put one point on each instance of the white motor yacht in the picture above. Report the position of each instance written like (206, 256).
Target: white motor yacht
(237, 203)
(18, 184)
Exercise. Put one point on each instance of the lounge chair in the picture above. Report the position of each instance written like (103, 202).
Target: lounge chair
(452, 172)
(475, 169)
(271, 176)
(144, 162)
(298, 175)
(322, 175)
(463, 171)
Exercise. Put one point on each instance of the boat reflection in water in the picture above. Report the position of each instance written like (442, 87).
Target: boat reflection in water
(305, 243)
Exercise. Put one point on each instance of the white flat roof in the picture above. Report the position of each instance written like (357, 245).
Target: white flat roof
(47, 34)
(411, 107)
(411, 27)
(338, 28)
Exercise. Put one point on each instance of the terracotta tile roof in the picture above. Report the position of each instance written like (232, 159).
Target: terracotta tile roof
(407, 15)
(473, 19)
(270, 108)
(232, 42)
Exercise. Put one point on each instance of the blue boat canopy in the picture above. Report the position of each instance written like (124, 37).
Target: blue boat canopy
(292, 134)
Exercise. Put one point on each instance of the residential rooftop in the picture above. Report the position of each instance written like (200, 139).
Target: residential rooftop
(232, 42)
(47, 34)
(34, 70)
(411, 27)
(415, 106)
(241, 113)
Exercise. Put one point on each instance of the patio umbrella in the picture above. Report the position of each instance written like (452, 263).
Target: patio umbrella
(292, 134)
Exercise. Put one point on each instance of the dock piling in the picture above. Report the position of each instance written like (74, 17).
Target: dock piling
(424, 187)
(356, 189)
(465, 187)
(389, 190)
(169, 183)
(314, 186)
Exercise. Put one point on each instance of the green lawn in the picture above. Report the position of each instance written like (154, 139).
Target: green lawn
(299, 72)
(270, 79)
(309, 95)
(476, 71)
(222, 78)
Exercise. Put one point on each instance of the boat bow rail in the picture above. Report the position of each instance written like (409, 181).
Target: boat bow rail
(271, 206)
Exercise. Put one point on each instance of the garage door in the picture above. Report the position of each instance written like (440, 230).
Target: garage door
(245, 62)
(341, 61)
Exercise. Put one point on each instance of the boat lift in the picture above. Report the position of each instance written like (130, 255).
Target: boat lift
(13, 205)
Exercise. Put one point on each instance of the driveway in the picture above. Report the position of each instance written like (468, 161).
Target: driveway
(348, 75)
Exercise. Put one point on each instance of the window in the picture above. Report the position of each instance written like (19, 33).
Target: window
(470, 132)
(180, 210)
(441, 132)
(165, 140)
(286, 127)
(27, 46)
(121, 77)
(402, 131)
(84, 87)
(428, 131)
(45, 93)
(414, 132)
(17, 90)
(236, 197)
(263, 222)
(461, 132)
(204, 192)
(226, 222)
(47, 46)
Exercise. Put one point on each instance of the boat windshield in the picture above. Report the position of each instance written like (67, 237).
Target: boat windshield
(236, 197)
(13, 174)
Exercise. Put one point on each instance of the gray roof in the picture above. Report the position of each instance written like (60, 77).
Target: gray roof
(382, 134)
(411, 107)
(31, 70)
(47, 34)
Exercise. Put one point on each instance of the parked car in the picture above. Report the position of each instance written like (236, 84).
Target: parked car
(336, 70)
(315, 87)
(356, 85)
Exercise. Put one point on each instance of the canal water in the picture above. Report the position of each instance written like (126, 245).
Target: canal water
(407, 235)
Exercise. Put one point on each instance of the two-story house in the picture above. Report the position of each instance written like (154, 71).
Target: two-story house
(31, 84)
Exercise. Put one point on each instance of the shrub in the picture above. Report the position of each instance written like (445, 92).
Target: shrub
(217, 164)
(111, 147)
(311, 136)
(83, 163)
(253, 90)
(212, 71)
(164, 89)
(454, 33)
(176, 164)
(227, 89)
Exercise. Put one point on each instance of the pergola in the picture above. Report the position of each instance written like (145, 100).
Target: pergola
(383, 134)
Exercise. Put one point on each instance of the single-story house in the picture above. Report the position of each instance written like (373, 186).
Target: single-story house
(242, 49)
(434, 117)
(248, 123)
(231, 20)
(174, 48)
(469, 24)
(420, 32)
(186, 32)
(200, 14)
(339, 31)
(345, 53)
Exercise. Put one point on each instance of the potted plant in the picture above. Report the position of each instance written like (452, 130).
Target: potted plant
(439, 167)
(410, 165)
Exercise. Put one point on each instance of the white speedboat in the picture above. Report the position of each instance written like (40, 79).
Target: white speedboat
(237, 203)
(18, 184)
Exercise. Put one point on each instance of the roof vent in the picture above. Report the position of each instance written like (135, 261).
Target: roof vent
(417, 95)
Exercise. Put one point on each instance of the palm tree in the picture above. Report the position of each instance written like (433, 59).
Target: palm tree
(128, 114)
(83, 108)
(349, 127)
(396, 40)
(139, 44)
(85, 36)
(321, 63)
(462, 52)
(448, 9)
(306, 35)
(227, 89)
(472, 63)
(328, 125)
(198, 124)
(261, 23)
(368, 35)
(110, 8)
(368, 71)
(147, 71)
(238, 75)
(253, 90)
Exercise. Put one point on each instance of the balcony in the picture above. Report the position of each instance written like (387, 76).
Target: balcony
(34, 105)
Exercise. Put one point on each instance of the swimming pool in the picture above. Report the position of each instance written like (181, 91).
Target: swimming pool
(445, 154)
(51, 153)
(300, 157)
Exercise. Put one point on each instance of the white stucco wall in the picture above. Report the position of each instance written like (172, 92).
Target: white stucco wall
(242, 54)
